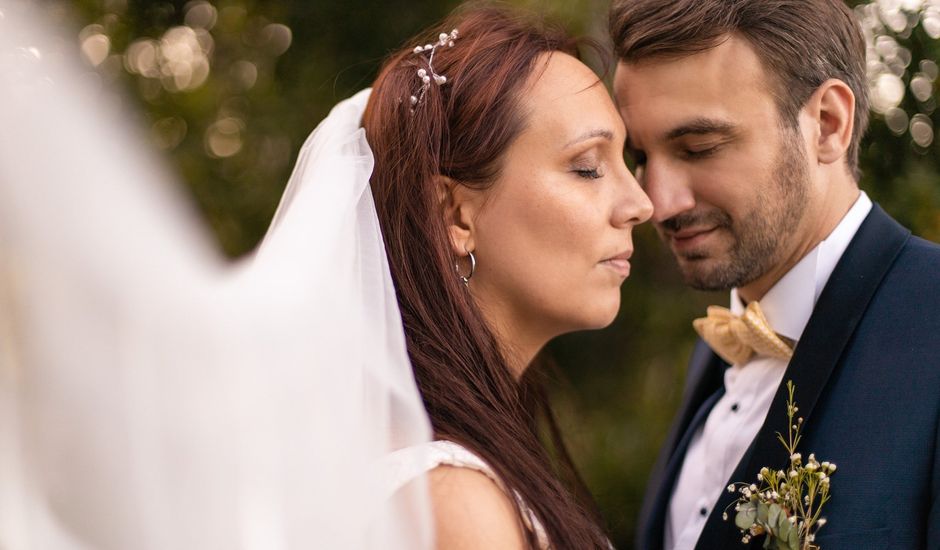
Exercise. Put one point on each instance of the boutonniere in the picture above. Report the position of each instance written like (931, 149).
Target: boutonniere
(785, 505)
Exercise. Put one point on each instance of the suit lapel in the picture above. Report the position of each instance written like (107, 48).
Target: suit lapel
(706, 375)
(841, 307)
(674, 467)
(706, 372)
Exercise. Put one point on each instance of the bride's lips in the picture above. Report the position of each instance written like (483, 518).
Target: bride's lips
(619, 263)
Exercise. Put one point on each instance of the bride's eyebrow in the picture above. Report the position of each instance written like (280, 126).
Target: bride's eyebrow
(590, 134)
(702, 126)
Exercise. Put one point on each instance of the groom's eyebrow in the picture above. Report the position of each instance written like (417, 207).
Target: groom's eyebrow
(702, 126)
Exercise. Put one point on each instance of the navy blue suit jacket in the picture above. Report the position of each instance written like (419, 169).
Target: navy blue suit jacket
(867, 375)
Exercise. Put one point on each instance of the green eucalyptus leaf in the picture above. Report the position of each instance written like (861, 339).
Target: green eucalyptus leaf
(746, 516)
(786, 534)
(794, 540)
(783, 525)
(762, 512)
(773, 516)
(792, 537)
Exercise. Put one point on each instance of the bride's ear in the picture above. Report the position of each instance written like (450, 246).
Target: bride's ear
(459, 206)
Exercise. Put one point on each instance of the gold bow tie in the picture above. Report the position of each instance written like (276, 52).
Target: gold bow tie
(736, 338)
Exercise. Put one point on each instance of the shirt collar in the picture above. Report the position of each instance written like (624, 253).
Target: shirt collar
(790, 302)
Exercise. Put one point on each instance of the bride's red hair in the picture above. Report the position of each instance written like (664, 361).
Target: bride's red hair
(462, 130)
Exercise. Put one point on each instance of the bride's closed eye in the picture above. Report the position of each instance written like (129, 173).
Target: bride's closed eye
(587, 167)
(588, 173)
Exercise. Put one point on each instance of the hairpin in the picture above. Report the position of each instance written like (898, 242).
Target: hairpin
(426, 75)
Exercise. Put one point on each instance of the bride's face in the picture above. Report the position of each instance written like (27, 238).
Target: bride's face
(552, 236)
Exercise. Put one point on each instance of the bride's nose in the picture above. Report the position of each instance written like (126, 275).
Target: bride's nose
(633, 206)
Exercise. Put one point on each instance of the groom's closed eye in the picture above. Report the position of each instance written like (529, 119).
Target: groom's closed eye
(696, 152)
(701, 138)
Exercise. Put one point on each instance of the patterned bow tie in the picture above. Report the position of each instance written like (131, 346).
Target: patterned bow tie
(735, 339)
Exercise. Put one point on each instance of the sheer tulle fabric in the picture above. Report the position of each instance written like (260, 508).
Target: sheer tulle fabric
(152, 394)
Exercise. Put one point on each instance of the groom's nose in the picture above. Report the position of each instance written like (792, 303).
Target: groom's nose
(668, 188)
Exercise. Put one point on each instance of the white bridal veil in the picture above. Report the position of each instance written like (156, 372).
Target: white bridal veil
(155, 396)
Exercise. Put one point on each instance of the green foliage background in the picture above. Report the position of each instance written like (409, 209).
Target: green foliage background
(617, 388)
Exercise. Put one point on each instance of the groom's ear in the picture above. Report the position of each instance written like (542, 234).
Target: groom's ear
(459, 206)
(832, 111)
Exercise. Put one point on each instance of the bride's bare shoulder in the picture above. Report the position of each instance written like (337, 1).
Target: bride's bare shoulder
(472, 511)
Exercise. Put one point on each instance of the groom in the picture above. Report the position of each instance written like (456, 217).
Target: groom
(744, 118)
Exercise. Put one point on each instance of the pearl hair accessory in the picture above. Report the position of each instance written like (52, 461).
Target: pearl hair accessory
(426, 75)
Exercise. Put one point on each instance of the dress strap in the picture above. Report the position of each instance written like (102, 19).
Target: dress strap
(405, 465)
(408, 464)
(448, 453)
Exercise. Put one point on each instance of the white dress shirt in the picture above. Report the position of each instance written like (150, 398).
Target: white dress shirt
(719, 444)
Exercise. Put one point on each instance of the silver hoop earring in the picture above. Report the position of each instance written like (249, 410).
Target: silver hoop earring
(473, 267)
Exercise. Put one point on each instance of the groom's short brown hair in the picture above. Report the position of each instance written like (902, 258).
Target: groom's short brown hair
(801, 43)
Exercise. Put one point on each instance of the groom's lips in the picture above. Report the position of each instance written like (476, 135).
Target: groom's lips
(691, 237)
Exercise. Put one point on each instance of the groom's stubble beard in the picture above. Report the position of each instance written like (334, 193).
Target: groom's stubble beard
(757, 239)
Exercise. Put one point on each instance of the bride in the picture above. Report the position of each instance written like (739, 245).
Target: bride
(165, 399)
(507, 213)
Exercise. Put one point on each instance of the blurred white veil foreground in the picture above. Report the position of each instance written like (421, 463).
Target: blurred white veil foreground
(154, 395)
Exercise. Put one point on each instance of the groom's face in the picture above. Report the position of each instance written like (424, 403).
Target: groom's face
(727, 178)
